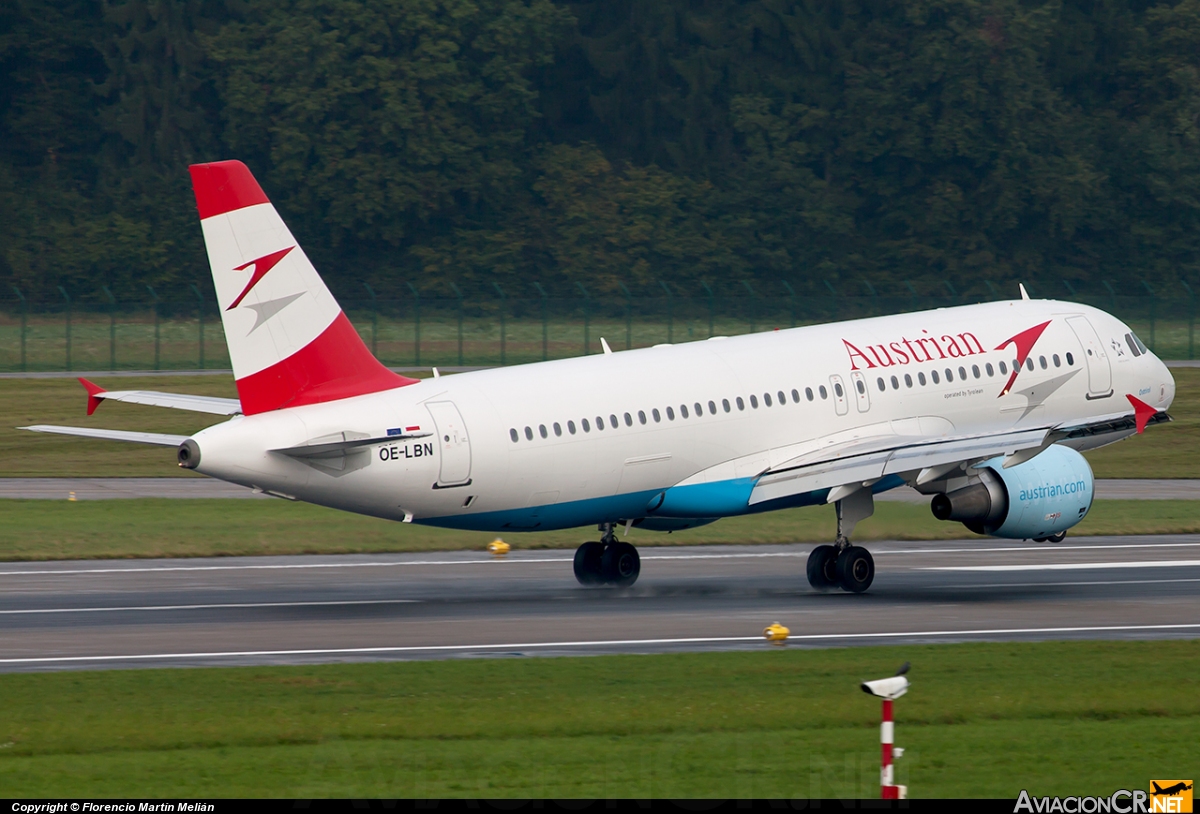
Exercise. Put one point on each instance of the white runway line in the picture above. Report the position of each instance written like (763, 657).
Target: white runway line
(521, 560)
(345, 651)
(1067, 566)
(209, 607)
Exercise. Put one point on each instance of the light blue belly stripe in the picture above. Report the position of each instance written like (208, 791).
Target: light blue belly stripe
(593, 511)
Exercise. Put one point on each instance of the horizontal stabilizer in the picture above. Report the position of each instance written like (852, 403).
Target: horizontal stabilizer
(339, 443)
(154, 398)
(156, 438)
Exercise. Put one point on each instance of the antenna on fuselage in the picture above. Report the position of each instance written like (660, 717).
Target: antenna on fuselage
(1024, 293)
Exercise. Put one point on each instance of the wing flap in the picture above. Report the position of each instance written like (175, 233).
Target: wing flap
(154, 438)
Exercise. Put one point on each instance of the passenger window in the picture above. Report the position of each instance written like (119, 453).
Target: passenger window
(782, 398)
(612, 421)
(571, 427)
(599, 422)
(991, 371)
(754, 402)
(934, 376)
(837, 388)
(1003, 368)
(1070, 359)
(895, 383)
(642, 416)
(683, 413)
(1042, 362)
(670, 414)
(725, 404)
(823, 391)
(862, 388)
(949, 375)
(767, 399)
(907, 380)
(586, 427)
(528, 434)
(542, 431)
(882, 385)
(975, 371)
(962, 373)
(628, 420)
(656, 415)
(921, 379)
(699, 409)
(795, 396)
(712, 408)
(741, 404)
(1029, 364)
(1057, 361)
(513, 434)
(557, 430)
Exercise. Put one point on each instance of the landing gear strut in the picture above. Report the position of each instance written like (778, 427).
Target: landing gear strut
(609, 562)
(843, 565)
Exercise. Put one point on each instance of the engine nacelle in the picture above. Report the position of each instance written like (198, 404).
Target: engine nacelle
(1041, 497)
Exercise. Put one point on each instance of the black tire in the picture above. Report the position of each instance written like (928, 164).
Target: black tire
(620, 565)
(855, 569)
(1057, 538)
(587, 563)
(822, 568)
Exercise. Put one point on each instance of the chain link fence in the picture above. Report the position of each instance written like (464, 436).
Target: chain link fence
(182, 329)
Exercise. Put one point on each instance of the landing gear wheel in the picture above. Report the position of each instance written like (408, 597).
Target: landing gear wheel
(1057, 538)
(620, 565)
(822, 567)
(587, 563)
(855, 569)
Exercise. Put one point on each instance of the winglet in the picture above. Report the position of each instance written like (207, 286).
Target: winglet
(1142, 412)
(94, 392)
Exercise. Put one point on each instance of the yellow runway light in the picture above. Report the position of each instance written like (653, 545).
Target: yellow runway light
(776, 633)
(498, 547)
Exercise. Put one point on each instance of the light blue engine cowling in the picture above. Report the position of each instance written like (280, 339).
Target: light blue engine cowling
(1038, 499)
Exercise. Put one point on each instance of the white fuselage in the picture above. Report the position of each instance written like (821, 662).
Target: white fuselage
(570, 465)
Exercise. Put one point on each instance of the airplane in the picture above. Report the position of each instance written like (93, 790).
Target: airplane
(1169, 791)
(985, 408)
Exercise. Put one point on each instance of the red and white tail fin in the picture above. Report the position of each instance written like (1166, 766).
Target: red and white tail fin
(288, 339)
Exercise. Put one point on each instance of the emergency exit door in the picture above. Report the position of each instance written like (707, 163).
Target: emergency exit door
(1099, 371)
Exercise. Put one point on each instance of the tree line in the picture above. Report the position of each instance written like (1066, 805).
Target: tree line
(902, 145)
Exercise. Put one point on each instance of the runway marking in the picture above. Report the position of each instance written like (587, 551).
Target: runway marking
(208, 607)
(494, 561)
(1066, 566)
(577, 644)
(1063, 584)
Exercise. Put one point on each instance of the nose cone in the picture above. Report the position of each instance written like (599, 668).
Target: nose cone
(1166, 389)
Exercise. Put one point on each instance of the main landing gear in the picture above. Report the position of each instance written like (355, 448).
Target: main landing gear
(1053, 538)
(609, 562)
(843, 565)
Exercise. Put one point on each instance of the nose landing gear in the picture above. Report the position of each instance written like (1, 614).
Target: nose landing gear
(609, 562)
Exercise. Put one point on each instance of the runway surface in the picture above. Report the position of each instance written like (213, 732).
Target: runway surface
(201, 487)
(292, 610)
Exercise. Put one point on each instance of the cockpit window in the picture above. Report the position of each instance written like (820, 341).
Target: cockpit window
(1135, 345)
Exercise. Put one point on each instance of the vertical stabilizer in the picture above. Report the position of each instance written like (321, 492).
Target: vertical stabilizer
(289, 341)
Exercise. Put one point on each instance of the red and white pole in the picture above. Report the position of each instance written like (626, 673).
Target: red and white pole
(887, 736)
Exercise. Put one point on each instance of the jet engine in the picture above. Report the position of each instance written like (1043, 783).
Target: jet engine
(1038, 499)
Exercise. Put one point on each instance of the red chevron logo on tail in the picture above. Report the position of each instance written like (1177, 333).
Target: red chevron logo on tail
(261, 266)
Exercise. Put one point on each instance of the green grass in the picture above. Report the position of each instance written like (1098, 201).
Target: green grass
(1163, 452)
(982, 720)
(93, 529)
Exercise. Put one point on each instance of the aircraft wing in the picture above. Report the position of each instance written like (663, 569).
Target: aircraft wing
(154, 398)
(863, 460)
(155, 438)
(799, 476)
